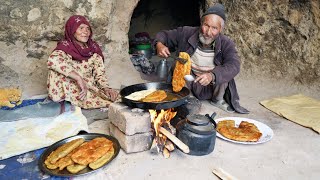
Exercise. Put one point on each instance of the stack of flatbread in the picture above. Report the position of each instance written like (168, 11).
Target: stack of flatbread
(180, 71)
(77, 154)
(246, 132)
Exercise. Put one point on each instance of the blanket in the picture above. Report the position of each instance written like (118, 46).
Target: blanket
(298, 108)
(31, 133)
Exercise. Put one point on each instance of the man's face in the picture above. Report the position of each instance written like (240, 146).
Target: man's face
(210, 28)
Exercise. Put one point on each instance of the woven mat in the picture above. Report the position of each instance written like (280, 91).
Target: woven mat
(298, 108)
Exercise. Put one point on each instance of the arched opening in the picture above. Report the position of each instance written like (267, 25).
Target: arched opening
(152, 16)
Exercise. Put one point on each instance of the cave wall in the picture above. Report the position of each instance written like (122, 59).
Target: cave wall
(275, 39)
(30, 30)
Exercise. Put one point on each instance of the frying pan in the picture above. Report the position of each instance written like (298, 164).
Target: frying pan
(180, 97)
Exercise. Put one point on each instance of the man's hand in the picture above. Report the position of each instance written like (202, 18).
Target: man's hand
(113, 94)
(204, 79)
(162, 50)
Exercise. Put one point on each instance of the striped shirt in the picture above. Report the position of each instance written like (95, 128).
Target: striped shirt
(202, 61)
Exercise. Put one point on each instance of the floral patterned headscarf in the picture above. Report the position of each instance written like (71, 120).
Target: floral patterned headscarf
(69, 44)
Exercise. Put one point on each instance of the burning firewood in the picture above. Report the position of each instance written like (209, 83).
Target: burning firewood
(154, 147)
(165, 132)
(166, 153)
(169, 145)
(175, 140)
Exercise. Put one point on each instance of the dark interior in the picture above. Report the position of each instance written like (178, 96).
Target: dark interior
(152, 16)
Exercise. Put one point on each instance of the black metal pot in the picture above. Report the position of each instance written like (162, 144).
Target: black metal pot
(181, 96)
(198, 132)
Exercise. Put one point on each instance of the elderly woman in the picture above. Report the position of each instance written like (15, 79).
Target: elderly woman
(76, 68)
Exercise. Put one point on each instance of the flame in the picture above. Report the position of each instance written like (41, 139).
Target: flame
(160, 118)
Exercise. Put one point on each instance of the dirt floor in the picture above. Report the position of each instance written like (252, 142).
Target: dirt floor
(292, 153)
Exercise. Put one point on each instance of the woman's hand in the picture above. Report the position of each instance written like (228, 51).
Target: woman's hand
(81, 83)
(113, 94)
(84, 89)
(162, 50)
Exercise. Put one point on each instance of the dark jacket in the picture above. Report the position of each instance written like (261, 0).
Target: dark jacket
(226, 60)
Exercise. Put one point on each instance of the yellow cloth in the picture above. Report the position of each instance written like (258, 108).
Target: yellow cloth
(297, 108)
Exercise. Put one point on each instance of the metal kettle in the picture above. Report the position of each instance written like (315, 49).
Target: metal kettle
(162, 69)
(198, 132)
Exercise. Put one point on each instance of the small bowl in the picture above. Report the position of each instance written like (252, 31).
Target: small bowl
(189, 78)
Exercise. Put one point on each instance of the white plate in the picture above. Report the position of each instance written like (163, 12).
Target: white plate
(266, 131)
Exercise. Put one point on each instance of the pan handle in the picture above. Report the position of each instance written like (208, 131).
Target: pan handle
(211, 118)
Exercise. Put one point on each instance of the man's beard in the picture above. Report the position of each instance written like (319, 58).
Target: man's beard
(205, 41)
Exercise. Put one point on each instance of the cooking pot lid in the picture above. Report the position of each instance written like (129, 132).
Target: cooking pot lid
(199, 124)
(197, 119)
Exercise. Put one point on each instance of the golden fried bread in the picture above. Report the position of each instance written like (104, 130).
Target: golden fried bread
(75, 168)
(246, 132)
(92, 151)
(138, 95)
(102, 160)
(50, 165)
(62, 162)
(155, 96)
(63, 150)
(180, 71)
(251, 126)
(66, 161)
(225, 123)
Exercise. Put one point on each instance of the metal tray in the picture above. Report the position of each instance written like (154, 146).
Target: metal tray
(87, 170)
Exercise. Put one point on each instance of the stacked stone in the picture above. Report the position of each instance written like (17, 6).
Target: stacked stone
(132, 127)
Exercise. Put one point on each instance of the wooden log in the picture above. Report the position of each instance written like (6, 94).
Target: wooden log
(175, 140)
(166, 153)
(169, 145)
(154, 147)
(223, 174)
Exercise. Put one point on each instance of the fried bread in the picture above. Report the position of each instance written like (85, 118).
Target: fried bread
(92, 151)
(102, 160)
(246, 132)
(180, 71)
(155, 96)
(75, 168)
(95, 152)
(138, 95)
(64, 150)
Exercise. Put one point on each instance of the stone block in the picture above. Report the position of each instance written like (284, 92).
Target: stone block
(129, 121)
(134, 143)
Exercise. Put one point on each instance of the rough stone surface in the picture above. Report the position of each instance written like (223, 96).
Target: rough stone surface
(31, 29)
(129, 121)
(275, 39)
(134, 143)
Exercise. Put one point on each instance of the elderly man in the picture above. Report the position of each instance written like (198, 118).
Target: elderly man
(215, 61)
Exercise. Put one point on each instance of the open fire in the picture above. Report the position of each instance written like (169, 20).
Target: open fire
(164, 132)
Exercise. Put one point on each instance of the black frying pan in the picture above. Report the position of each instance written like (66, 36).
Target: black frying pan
(180, 97)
